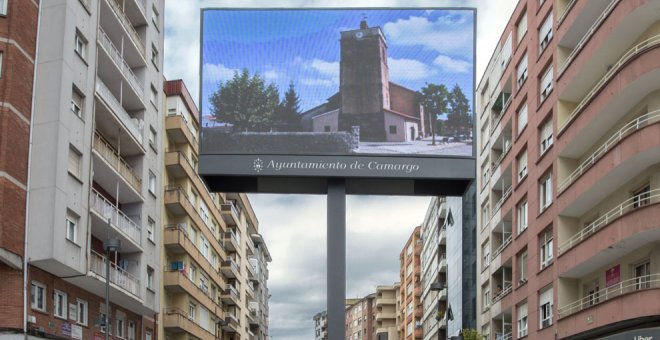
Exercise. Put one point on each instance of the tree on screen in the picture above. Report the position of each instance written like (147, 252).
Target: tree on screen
(287, 115)
(459, 119)
(246, 102)
(434, 99)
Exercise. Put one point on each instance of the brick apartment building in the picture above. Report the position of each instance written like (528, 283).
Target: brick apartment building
(410, 309)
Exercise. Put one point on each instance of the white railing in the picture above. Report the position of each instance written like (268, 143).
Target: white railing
(635, 202)
(232, 264)
(109, 154)
(504, 244)
(496, 123)
(124, 224)
(120, 62)
(118, 276)
(507, 289)
(632, 126)
(499, 160)
(624, 287)
(506, 336)
(499, 204)
(133, 125)
(564, 13)
(637, 49)
(587, 36)
(126, 22)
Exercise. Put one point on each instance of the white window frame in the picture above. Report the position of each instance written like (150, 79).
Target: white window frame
(154, 56)
(71, 227)
(522, 316)
(192, 310)
(545, 192)
(77, 103)
(522, 165)
(155, 17)
(1, 57)
(151, 226)
(545, 247)
(80, 45)
(522, 119)
(485, 256)
(130, 330)
(521, 71)
(3, 7)
(60, 304)
(522, 266)
(545, 85)
(545, 308)
(148, 334)
(523, 216)
(75, 162)
(545, 33)
(486, 298)
(152, 183)
(120, 328)
(521, 26)
(150, 278)
(39, 288)
(81, 306)
(153, 137)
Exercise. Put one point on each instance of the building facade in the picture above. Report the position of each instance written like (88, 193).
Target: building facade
(95, 170)
(215, 272)
(434, 270)
(18, 32)
(321, 326)
(410, 292)
(360, 316)
(568, 173)
(386, 312)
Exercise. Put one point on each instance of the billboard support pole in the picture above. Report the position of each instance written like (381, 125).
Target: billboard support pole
(336, 270)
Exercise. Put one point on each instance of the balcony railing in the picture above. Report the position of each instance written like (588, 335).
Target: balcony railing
(118, 276)
(231, 263)
(507, 289)
(626, 130)
(564, 14)
(117, 218)
(498, 161)
(587, 35)
(635, 202)
(504, 244)
(132, 124)
(120, 62)
(126, 22)
(106, 151)
(624, 287)
(647, 44)
(500, 203)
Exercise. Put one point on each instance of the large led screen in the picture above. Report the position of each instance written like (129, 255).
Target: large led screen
(335, 88)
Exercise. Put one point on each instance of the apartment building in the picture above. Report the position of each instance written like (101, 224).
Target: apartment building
(214, 279)
(95, 169)
(410, 292)
(569, 173)
(434, 270)
(18, 33)
(386, 312)
(321, 326)
(360, 316)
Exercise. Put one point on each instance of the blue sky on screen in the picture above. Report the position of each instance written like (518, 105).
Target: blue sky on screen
(302, 46)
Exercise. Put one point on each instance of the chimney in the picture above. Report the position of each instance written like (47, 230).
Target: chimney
(363, 24)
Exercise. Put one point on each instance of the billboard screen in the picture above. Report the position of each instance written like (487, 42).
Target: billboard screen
(383, 93)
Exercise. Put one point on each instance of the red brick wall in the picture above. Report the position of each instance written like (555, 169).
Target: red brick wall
(403, 100)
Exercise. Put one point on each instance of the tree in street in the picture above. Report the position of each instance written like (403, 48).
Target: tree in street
(459, 118)
(434, 99)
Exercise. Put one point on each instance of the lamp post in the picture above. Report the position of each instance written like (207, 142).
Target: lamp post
(110, 245)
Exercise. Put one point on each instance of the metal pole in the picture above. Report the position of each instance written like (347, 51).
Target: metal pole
(336, 271)
(107, 286)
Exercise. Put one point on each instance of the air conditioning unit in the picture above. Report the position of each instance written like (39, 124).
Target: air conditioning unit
(31, 319)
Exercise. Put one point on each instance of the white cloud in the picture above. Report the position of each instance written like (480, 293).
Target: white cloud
(328, 69)
(318, 82)
(408, 69)
(215, 73)
(272, 75)
(452, 65)
(434, 35)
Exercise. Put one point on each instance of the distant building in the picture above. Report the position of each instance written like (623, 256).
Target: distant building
(360, 317)
(410, 326)
(321, 326)
(383, 111)
(386, 312)
(434, 270)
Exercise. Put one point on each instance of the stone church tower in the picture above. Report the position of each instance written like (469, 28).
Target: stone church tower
(364, 82)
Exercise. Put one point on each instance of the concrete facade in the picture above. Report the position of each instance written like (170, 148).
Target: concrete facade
(386, 312)
(568, 172)
(434, 270)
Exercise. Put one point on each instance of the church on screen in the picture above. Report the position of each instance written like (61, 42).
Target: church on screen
(383, 111)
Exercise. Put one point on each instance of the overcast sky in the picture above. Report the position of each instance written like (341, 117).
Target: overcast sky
(293, 225)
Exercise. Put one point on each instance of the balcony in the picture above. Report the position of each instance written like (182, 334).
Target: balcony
(178, 165)
(176, 282)
(177, 321)
(126, 228)
(565, 10)
(230, 268)
(128, 123)
(627, 206)
(179, 132)
(381, 301)
(504, 292)
(622, 288)
(614, 140)
(231, 295)
(122, 66)
(504, 244)
(176, 241)
(230, 213)
(443, 263)
(252, 272)
(125, 22)
(118, 164)
(419, 333)
(231, 242)
(118, 276)
(232, 324)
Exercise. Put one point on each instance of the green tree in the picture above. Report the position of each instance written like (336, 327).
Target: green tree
(246, 102)
(287, 115)
(459, 118)
(472, 334)
(434, 100)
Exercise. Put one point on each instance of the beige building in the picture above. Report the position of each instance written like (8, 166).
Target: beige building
(386, 312)
(207, 286)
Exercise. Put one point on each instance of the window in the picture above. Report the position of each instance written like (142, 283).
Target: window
(521, 70)
(130, 332)
(521, 260)
(1, 55)
(521, 312)
(155, 17)
(151, 225)
(153, 96)
(3, 7)
(522, 119)
(546, 136)
(409, 270)
(642, 196)
(392, 129)
(642, 275)
(326, 128)
(545, 303)
(545, 249)
(485, 216)
(545, 33)
(152, 183)
(150, 278)
(522, 216)
(38, 296)
(507, 50)
(154, 55)
(59, 304)
(120, 328)
(545, 84)
(81, 317)
(191, 311)
(409, 328)
(486, 297)
(80, 45)
(409, 251)
(485, 252)
(204, 246)
(545, 192)
(522, 165)
(152, 138)
(71, 227)
(148, 334)
(77, 103)
(75, 157)
(522, 26)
